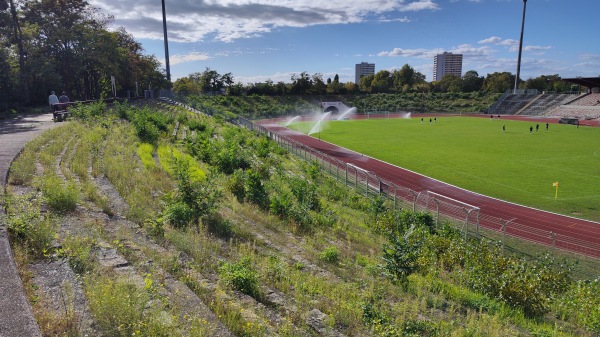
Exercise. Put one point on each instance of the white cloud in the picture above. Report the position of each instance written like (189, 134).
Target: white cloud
(537, 48)
(228, 20)
(492, 39)
(417, 53)
(419, 6)
(401, 20)
(190, 57)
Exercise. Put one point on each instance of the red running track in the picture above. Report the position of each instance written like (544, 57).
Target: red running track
(576, 235)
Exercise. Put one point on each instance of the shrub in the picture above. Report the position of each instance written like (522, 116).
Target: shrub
(330, 255)
(217, 225)
(28, 226)
(236, 185)
(196, 125)
(581, 304)
(78, 250)
(231, 158)
(526, 285)
(117, 305)
(145, 153)
(401, 253)
(155, 229)
(281, 205)
(90, 111)
(241, 276)
(22, 170)
(60, 197)
(255, 190)
(178, 214)
(306, 193)
(194, 197)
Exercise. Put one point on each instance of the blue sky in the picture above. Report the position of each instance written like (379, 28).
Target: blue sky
(259, 40)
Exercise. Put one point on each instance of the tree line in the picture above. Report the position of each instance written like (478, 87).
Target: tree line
(65, 45)
(403, 80)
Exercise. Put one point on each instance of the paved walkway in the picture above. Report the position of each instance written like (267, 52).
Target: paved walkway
(16, 317)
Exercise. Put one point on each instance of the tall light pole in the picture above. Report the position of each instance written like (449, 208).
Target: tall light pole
(166, 44)
(520, 48)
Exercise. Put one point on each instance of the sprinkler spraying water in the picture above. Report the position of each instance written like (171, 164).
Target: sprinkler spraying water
(319, 126)
(292, 120)
(347, 114)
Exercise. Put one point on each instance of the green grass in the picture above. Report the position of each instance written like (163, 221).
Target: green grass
(474, 153)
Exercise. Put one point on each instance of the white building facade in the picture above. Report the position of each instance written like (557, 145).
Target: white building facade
(447, 63)
(363, 69)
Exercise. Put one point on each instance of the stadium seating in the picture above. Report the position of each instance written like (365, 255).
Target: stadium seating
(545, 102)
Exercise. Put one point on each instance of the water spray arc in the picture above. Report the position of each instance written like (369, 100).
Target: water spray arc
(319, 125)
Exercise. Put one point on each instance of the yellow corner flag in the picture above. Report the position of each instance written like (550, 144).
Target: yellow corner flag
(555, 184)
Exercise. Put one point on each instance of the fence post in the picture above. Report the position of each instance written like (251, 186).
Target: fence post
(415, 195)
(504, 224)
(346, 178)
(437, 212)
(466, 226)
(477, 225)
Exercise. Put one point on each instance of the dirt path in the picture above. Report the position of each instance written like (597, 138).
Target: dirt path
(16, 317)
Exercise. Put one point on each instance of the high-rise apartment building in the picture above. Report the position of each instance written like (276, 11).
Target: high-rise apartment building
(363, 69)
(447, 63)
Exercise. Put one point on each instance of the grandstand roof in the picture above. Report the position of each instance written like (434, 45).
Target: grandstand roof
(589, 82)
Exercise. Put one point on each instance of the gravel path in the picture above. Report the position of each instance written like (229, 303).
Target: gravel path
(16, 317)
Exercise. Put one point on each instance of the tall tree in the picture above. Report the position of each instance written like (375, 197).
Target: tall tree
(382, 82)
(404, 78)
(449, 83)
(472, 81)
(301, 83)
(319, 87)
(365, 82)
(498, 82)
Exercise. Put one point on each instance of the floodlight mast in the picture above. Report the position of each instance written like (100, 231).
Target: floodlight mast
(520, 48)
(164, 13)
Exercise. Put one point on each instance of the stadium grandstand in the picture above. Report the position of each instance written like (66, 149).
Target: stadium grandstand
(577, 105)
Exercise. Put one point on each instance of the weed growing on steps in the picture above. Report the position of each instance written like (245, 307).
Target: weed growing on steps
(28, 227)
(61, 197)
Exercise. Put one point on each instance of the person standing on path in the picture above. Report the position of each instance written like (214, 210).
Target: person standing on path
(63, 100)
(52, 99)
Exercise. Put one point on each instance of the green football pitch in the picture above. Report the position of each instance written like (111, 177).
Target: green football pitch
(476, 154)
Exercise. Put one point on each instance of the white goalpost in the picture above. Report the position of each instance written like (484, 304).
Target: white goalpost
(375, 112)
